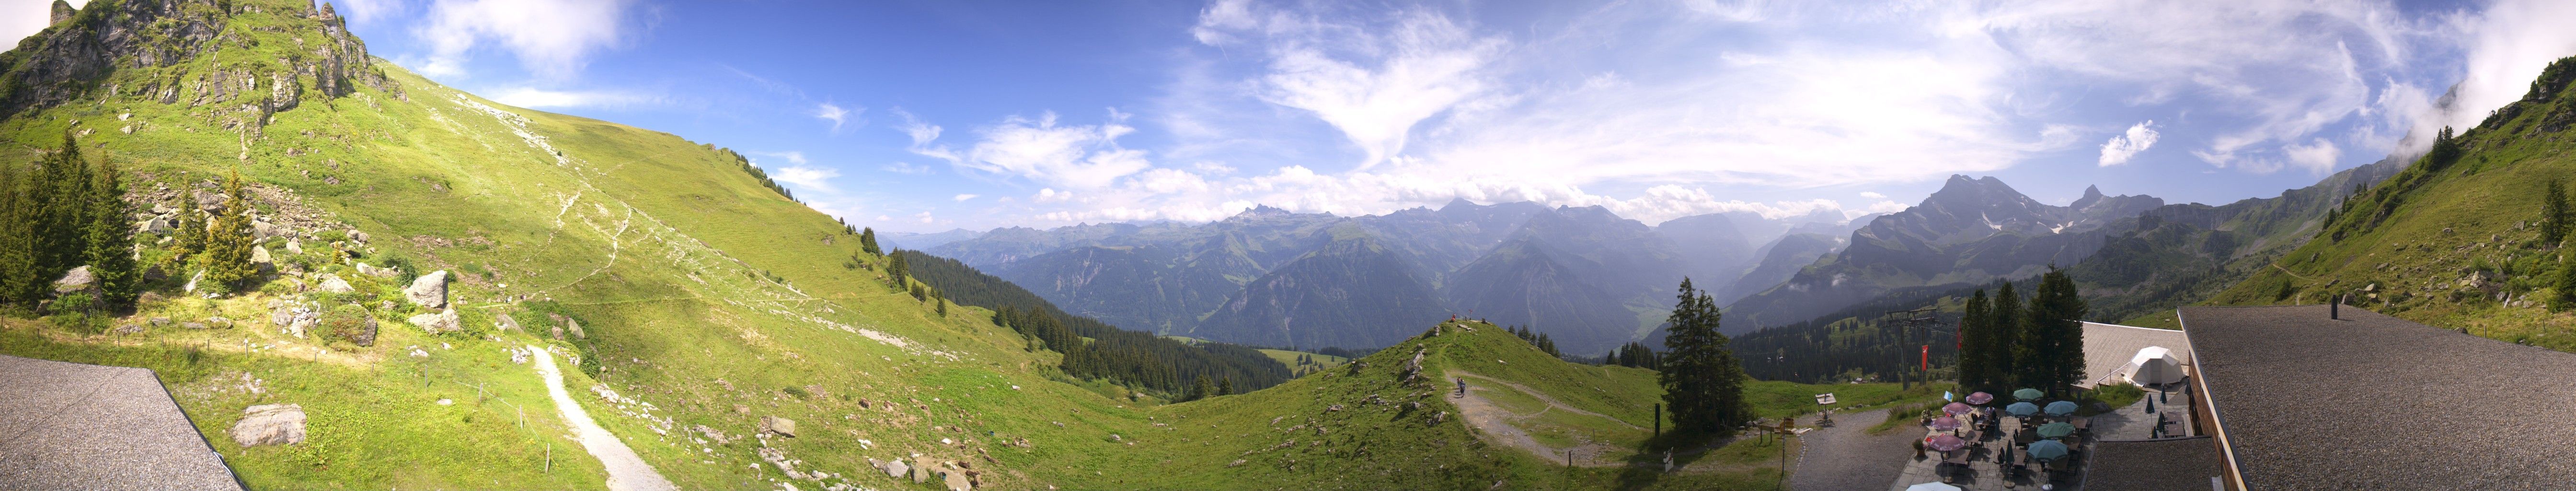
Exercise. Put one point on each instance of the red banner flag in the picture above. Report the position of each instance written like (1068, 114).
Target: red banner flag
(1927, 357)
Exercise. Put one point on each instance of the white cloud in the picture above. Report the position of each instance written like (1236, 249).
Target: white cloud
(535, 98)
(835, 113)
(2127, 145)
(924, 217)
(815, 178)
(2317, 156)
(906, 168)
(1872, 195)
(964, 197)
(1373, 82)
(793, 157)
(2508, 45)
(550, 37)
(883, 218)
(1075, 156)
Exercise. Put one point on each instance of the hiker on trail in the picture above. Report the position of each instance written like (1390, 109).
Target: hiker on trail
(1462, 386)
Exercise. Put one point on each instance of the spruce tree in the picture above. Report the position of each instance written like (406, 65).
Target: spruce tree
(1226, 387)
(63, 210)
(1703, 382)
(228, 242)
(1977, 368)
(189, 239)
(2057, 332)
(19, 286)
(2553, 214)
(2011, 342)
(896, 271)
(868, 240)
(111, 241)
(2565, 283)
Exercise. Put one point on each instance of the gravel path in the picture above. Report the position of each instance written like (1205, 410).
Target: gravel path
(1497, 422)
(1846, 457)
(626, 471)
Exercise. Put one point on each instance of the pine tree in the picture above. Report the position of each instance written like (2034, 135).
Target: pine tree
(188, 240)
(2057, 332)
(228, 243)
(1703, 382)
(1202, 389)
(111, 241)
(1978, 367)
(2566, 285)
(1226, 387)
(59, 196)
(2011, 342)
(943, 306)
(868, 240)
(2553, 214)
(19, 286)
(896, 272)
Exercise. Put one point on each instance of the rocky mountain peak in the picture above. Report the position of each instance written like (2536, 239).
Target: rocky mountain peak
(2092, 194)
(1458, 203)
(63, 11)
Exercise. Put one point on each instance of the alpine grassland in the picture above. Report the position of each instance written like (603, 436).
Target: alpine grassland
(2454, 240)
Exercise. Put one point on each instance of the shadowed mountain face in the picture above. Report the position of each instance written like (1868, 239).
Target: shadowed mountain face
(1972, 230)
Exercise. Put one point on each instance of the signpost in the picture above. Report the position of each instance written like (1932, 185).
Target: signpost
(1825, 416)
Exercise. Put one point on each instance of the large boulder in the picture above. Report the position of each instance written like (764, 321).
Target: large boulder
(444, 321)
(778, 426)
(364, 269)
(270, 424)
(509, 324)
(955, 479)
(77, 280)
(259, 258)
(575, 326)
(896, 469)
(430, 290)
(331, 283)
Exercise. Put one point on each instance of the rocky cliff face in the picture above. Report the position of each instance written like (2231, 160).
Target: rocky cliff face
(192, 51)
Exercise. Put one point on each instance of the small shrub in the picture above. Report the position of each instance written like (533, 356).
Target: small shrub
(799, 392)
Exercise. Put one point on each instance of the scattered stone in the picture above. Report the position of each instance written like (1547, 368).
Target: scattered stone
(430, 290)
(575, 327)
(778, 426)
(1236, 463)
(363, 334)
(77, 280)
(955, 480)
(509, 324)
(129, 329)
(446, 402)
(519, 356)
(270, 424)
(193, 325)
(364, 269)
(331, 283)
(444, 321)
(557, 332)
(259, 258)
(1437, 418)
(294, 248)
(896, 469)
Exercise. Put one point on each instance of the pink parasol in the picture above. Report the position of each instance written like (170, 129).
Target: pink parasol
(1980, 398)
(1947, 443)
(1945, 423)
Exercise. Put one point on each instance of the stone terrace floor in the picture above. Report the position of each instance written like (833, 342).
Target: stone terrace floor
(1984, 474)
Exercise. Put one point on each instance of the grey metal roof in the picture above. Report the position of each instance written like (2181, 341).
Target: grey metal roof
(2171, 464)
(2108, 347)
(2377, 402)
(75, 426)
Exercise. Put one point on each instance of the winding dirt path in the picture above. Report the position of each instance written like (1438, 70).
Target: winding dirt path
(1496, 422)
(626, 471)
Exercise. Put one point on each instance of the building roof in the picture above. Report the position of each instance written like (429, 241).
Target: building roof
(2108, 348)
(75, 426)
(2170, 464)
(2376, 402)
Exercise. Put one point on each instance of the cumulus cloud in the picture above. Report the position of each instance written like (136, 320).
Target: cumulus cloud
(815, 178)
(550, 37)
(2126, 145)
(1872, 195)
(2317, 156)
(1040, 149)
(793, 157)
(2508, 45)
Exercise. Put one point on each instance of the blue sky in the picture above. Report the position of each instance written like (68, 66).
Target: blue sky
(925, 116)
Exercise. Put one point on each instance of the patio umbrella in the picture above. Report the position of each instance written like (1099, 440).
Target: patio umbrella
(1932, 486)
(1956, 408)
(2061, 408)
(2046, 450)
(2029, 394)
(2022, 409)
(1947, 443)
(1945, 423)
(1980, 398)
(2056, 430)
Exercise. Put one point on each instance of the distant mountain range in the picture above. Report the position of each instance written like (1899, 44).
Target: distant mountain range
(1587, 277)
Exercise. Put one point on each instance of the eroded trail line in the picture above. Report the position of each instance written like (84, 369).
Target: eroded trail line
(626, 471)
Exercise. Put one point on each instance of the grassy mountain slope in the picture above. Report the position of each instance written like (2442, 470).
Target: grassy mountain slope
(2451, 240)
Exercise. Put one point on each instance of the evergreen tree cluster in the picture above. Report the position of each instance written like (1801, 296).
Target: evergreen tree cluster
(60, 213)
(1862, 341)
(2005, 344)
(1634, 354)
(1703, 382)
(1536, 340)
(1136, 358)
(756, 173)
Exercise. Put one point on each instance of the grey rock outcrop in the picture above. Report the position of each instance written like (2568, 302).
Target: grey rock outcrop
(364, 269)
(778, 426)
(444, 321)
(270, 424)
(509, 324)
(575, 327)
(896, 469)
(259, 258)
(430, 290)
(331, 283)
(77, 280)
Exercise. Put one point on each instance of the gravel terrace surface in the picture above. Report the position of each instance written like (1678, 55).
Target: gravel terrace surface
(1846, 457)
(626, 471)
(75, 426)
